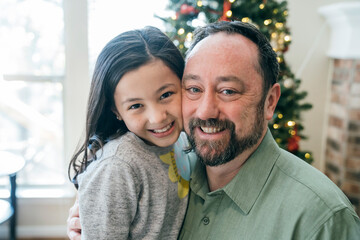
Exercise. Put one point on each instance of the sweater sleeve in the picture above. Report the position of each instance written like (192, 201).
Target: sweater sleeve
(108, 195)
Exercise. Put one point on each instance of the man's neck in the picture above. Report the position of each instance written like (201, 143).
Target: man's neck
(220, 176)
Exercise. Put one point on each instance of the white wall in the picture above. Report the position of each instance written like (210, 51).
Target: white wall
(308, 60)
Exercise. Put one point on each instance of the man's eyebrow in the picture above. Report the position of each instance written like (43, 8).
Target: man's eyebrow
(190, 77)
(230, 78)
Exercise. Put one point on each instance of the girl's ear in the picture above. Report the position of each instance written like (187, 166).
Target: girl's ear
(117, 114)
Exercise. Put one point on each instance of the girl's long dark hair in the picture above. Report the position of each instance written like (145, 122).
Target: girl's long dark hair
(126, 52)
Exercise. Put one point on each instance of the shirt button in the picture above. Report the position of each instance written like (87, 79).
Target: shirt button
(206, 220)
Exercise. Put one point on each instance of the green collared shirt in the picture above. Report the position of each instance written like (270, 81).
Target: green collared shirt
(274, 196)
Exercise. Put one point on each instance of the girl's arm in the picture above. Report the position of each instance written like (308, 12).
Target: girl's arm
(108, 195)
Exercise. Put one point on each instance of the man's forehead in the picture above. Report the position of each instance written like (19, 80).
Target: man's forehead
(222, 43)
(223, 56)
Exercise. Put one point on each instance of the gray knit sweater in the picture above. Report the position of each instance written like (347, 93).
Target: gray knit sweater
(127, 193)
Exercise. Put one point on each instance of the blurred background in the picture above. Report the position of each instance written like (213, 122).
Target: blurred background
(48, 49)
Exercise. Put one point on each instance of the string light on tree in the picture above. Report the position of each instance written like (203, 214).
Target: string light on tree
(181, 31)
(290, 123)
(189, 36)
(279, 25)
(287, 38)
(229, 13)
(245, 19)
(267, 22)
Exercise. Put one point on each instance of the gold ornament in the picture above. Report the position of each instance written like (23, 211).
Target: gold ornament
(288, 83)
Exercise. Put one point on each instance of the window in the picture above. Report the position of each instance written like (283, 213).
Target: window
(31, 84)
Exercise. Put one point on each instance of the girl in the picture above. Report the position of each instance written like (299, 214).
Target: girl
(133, 120)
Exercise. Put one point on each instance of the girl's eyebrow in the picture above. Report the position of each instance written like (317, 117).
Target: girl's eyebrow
(131, 100)
(162, 88)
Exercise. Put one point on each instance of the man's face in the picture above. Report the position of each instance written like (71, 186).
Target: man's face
(222, 103)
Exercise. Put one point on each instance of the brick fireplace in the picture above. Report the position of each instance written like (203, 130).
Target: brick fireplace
(342, 151)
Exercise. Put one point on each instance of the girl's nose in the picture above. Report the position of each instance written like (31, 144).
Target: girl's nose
(157, 114)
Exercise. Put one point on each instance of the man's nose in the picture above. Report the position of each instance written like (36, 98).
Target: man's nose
(208, 107)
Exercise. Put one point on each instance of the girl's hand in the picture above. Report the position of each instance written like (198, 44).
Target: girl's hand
(73, 223)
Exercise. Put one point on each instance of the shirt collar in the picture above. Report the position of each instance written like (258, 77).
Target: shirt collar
(246, 186)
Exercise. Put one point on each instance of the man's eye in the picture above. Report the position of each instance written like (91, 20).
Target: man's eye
(193, 90)
(228, 92)
(135, 106)
(166, 95)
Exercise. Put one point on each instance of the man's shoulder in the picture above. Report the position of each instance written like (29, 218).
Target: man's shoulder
(307, 196)
(310, 184)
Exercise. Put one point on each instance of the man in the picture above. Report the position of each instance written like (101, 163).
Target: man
(245, 186)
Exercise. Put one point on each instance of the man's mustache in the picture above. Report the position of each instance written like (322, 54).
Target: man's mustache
(212, 122)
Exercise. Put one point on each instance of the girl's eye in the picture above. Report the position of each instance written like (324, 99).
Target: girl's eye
(135, 106)
(166, 95)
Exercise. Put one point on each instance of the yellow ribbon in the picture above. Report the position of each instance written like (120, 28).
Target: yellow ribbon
(174, 176)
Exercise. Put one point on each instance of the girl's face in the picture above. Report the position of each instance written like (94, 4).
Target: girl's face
(148, 100)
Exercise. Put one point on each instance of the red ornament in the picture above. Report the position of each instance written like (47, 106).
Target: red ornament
(187, 9)
(226, 8)
(293, 142)
(285, 49)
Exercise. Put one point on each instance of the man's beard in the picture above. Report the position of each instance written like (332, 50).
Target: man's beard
(221, 151)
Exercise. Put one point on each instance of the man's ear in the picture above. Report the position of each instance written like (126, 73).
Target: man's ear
(271, 101)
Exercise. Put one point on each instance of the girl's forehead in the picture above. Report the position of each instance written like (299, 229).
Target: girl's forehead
(148, 80)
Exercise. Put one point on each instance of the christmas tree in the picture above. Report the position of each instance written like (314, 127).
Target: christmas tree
(270, 18)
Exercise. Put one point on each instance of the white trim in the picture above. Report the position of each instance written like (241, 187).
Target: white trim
(343, 19)
(36, 231)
